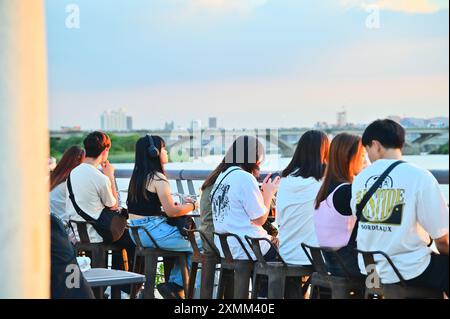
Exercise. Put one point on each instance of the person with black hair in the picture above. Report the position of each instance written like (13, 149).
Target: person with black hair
(403, 213)
(299, 186)
(150, 199)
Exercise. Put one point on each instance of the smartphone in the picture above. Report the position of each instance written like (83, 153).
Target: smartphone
(275, 175)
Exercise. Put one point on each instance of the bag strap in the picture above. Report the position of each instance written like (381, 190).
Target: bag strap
(374, 188)
(360, 206)
(75, 205)
(217, 187)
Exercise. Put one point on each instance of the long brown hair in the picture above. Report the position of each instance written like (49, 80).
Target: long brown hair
(248, 160)
(72, 157)
(345, 152)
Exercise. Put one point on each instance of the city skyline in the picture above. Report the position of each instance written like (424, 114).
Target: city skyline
(274, 63)
(213, 122)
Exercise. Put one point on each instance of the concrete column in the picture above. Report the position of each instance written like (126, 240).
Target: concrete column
(24, 209)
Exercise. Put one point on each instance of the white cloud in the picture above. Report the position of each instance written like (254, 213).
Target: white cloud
(407, 6)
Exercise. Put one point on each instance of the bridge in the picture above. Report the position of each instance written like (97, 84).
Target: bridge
(215, 141)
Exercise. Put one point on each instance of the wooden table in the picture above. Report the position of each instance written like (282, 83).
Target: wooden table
(102, 277)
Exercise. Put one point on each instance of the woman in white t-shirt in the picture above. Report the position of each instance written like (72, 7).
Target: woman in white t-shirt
(72, 157)
(299, 186)
(238, 205)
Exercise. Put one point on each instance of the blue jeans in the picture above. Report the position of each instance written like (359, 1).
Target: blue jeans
(167, 237)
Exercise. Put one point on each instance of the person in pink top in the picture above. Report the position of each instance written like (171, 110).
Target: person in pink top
(333, 219)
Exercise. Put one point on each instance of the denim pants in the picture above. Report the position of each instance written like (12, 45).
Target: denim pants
(167, 237)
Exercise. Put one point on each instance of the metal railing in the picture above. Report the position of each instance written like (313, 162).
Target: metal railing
(201, 175)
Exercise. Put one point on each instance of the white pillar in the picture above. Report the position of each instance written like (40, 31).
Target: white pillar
(24, 212)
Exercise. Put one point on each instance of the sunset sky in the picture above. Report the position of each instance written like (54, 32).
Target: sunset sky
(251, 63)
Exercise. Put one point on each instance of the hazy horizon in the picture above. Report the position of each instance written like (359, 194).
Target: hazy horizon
(250, 63)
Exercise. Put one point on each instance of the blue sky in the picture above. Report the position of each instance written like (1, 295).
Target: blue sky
(251, 63)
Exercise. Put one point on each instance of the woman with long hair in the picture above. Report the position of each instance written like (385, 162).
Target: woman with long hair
(299, 186)
(238, 205)
(71, 158)
(333, 219)
(149, 196)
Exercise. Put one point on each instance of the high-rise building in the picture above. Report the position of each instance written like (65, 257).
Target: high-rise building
(212, 122)
(169, 126)
(196, 125)
(129, 123)
(342, 119)
(114, 120)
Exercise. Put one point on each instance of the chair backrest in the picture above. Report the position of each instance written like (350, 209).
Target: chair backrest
(315, 256)
(256, 247)
(369, 259)
(137, 239)
(223, 238)
(82, 230)
(191, 236)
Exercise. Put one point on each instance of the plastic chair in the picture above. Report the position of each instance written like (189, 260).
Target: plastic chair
(99, 251)
(208, 262)
(151, 257)
(347, 287)
(399, 290)
(235, 274)
(277, 272)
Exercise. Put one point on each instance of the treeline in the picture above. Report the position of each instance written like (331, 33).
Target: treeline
(122, 150)
(443, 149)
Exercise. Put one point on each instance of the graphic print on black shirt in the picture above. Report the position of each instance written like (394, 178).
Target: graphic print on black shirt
(385, 206)
(221, 203)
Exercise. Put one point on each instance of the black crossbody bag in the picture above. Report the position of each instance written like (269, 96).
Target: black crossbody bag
(110, 225)
(360, 206)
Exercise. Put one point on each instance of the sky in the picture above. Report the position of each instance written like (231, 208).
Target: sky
(250, 63)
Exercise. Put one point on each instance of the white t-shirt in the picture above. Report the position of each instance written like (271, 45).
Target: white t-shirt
(295, 217)
(58, 202)
(93, 192)
(236, 203)
(399, 217)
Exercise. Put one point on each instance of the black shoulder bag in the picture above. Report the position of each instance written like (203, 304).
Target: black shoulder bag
(360, 206)
(111, 224)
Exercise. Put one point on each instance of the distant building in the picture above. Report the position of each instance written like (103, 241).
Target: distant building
(129, 123)
(438, 122)
(342, 119)
(196, 125)
(321, 126)
(169, 126)
(76, 128)
(114, 120)
(411, 122)
(212, 122)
